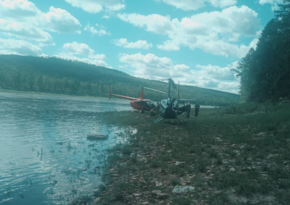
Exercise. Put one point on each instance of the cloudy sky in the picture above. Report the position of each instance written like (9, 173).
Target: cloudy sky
(196, 42)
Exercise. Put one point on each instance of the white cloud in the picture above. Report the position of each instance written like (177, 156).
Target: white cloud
(83, 53)
(140, 44)
(254, 43)
(26, 28)
(20, 16)
(274, 3)
(26, 31)
(197, 4)
(214, 32)
(216, 77)
(98, 60)
(95, 6)
(153, 23)
(78, 48)
(222, 48)
(153, 67)
(17, 9)
(222, 3)
(11, 46)
(98, 30)
(60, 21)
(217, 72)
(270, 1)
(168, 46)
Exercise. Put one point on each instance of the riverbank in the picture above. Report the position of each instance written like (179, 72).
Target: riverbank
(43, 93)
(232, 155)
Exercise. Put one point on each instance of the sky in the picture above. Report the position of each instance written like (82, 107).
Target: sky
(195, 42)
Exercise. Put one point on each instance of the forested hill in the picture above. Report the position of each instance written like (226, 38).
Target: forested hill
(54, 75)
(265, 71)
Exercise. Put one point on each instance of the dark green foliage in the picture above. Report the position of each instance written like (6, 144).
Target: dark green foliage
(181, 201)
(265, 72)
(175, 181)
(53, 75)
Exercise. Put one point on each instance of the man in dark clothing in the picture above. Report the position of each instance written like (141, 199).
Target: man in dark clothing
(142, 110)
(197, 106)
(188, 109)
(158, 106)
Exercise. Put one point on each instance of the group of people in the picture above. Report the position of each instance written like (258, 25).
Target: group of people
(188, 109)
(154, 111)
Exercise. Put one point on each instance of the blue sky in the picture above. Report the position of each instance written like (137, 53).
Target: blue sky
(196, 42)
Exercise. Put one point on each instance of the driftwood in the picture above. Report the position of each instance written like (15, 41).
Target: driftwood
(96, 137)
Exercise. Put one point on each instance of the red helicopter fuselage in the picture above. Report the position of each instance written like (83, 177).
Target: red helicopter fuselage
(137, 103)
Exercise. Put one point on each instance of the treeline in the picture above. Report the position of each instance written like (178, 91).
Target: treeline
(265, 72)
(53, 75)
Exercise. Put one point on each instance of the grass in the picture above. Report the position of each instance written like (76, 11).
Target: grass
(233, 155)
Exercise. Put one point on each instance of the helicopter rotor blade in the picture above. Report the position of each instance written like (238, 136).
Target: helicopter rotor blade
(178, 91)
(170, 81)
(158, 119)
(154, 90)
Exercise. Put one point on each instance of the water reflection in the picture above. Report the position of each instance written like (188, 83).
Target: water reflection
(44, 154)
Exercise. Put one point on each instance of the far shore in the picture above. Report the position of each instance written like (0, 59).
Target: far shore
(43, 93)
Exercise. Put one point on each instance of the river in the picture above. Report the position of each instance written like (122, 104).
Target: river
(45, 157)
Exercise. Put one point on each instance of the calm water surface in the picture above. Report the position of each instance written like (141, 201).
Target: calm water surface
(45, 157)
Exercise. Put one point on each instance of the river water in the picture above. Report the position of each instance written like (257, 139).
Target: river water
(45, 157)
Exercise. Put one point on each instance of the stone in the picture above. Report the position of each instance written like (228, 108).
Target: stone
(97, 200)
(178, 163)
(232, 169)
(155, 192)
(183, 189)
(162, 196)
(158, 183)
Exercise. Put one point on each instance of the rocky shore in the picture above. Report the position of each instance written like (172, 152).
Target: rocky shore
(224, 156)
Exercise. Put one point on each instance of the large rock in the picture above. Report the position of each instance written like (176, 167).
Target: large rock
(183, 189)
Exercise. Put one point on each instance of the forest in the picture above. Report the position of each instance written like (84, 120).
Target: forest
(54, 75)
(265, 71)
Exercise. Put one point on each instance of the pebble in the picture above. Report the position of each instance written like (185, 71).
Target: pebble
(232, 169)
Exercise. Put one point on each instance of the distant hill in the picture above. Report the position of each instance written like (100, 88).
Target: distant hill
(54, 75)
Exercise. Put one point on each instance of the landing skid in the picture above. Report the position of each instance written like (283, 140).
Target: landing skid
(158, 119)
(161, 118)
(179, 121)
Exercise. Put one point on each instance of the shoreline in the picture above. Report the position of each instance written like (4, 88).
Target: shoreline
(84, 96)
(229, 158)
(43, 93)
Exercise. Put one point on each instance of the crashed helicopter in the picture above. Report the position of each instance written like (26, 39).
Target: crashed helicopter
(137, 103)
(169, 108)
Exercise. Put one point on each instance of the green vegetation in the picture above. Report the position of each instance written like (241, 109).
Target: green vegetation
(232, 155)
(53, 75)
(265, 72)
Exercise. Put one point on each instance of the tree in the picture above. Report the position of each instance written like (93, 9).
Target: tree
(265, 72)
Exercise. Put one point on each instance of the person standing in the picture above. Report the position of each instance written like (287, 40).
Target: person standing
(188, 109)
(197, 106)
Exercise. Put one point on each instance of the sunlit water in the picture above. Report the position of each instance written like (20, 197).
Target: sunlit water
(45, 157)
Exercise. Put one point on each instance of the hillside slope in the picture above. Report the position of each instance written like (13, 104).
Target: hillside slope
(54, 75)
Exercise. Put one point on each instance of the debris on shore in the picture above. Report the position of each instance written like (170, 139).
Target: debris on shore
(217, 158)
